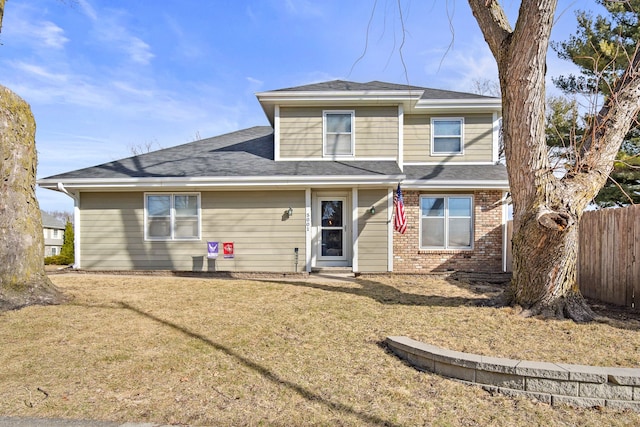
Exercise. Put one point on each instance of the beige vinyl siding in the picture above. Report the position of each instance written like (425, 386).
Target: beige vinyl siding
(416, 138)
(478, 139)
(301, 132)
(376, 132)
(372, 231)
(112, 233)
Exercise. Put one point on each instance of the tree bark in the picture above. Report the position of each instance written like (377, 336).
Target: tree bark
(23, 280)
(547, 208)
(1, 13)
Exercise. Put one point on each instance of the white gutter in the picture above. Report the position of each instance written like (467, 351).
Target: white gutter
(435, 184)
(459, 104)
(315, 95)
(224, 181)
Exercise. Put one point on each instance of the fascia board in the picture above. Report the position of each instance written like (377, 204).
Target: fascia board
(268, 100)
(132, 183)
(452, 185)
(459, 104)
(338, 95)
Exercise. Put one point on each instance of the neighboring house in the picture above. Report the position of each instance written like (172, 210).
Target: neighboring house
(313, 190)
(53, 230)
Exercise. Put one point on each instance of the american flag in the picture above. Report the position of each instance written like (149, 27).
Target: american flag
(400, 221)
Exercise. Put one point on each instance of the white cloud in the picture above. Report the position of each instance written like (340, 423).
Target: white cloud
(88, 10)
(128, 88)
(38, 71)
(51, 35)
(139, 51)
(457, 68)
(36, 32)
(114, 34)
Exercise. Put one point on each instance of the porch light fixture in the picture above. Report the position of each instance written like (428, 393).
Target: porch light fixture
(290, 211)
(372, 210)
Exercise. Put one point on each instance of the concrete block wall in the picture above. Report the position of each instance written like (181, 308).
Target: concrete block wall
(552, 383)
(486, 255)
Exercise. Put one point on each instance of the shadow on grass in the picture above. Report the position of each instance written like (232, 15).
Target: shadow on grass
(385, 294)
(266, 373)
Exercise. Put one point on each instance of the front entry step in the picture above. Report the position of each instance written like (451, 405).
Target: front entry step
(346, 272)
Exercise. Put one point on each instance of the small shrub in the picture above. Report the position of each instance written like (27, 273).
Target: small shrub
(58, 260)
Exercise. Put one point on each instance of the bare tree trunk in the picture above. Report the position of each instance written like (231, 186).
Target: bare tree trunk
(545, 272)
(22, 277)
(547, 209)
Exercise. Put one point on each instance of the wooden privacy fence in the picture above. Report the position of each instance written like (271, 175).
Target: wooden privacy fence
(609, 256)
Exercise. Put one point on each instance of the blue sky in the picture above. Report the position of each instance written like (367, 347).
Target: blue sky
(103, 76)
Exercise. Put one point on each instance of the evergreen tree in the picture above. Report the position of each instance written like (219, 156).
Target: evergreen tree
(601, 47)
(67, 252)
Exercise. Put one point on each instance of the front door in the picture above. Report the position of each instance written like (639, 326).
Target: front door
(332, 237)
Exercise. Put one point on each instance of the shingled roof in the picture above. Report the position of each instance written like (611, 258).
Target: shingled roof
(249, 153)
(246, 153)
(347, 86)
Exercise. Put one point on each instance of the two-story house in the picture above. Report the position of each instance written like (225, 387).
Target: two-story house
(53, 230)
(315, 189)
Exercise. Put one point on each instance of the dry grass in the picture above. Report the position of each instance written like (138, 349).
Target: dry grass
(265, 352)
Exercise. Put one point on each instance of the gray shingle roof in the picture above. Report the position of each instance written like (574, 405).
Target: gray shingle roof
(247, 153)
(454, 173)
(342, 85)
(49, 221)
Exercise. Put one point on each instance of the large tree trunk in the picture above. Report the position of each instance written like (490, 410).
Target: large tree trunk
(22, 277)
(545, 271)
(547, 208)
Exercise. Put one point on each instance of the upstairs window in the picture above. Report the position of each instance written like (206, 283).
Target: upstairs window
(172, 216)
(446, 222)
(338, 133)
(447, 136)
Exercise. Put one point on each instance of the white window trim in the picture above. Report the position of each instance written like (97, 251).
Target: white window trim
(446, 223)
(451, 153)
(324, 134)
(172, 238)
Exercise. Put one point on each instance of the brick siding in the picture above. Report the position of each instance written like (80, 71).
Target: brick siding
(486, 255)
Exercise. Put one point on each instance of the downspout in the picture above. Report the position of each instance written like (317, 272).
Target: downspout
(76, 224)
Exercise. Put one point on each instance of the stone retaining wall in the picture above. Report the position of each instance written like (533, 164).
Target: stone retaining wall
(552, 383)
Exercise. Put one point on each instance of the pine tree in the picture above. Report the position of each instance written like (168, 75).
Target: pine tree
(601, 48)
(67, 254)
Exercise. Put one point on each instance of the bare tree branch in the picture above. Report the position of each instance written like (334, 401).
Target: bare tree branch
(366, 40)
(610, 126)
(496, 27)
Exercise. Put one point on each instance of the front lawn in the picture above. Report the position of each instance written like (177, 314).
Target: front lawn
(267, 352)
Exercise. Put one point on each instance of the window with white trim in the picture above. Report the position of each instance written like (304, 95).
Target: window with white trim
(446, 222)
(447, 136)
(338, 138)
(174, 216)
